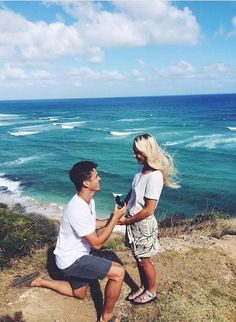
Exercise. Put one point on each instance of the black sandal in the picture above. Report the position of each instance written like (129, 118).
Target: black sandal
(25, 280)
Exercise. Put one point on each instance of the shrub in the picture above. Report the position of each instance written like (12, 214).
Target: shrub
(21, 234)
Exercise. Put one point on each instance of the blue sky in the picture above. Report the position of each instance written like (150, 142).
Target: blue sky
(75, 49)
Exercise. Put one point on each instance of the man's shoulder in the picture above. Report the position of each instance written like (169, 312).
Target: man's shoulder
(72, 204)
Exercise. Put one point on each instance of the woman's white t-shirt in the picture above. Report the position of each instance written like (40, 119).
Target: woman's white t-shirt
(147, 185)
(78, 220)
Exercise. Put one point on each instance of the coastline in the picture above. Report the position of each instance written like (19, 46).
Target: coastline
(29, 205)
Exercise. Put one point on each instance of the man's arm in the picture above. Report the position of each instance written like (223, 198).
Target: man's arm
(101, 223)
(98, 238)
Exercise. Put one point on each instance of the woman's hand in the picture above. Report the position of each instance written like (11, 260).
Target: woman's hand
(122, 221)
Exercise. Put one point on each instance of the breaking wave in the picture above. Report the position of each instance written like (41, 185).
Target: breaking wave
(121, 133)
(204, 141)
(23, 133)
(20, 161)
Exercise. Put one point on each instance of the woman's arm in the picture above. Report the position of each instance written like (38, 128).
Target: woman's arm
(127, 198)
(148, 210)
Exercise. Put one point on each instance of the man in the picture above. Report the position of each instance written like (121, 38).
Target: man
(79, 232)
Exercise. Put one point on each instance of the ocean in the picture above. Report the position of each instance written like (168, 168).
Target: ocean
(42, 139)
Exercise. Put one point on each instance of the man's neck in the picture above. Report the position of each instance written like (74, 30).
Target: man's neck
(86, 195)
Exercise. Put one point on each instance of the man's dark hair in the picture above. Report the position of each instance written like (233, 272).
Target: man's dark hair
(80, 172)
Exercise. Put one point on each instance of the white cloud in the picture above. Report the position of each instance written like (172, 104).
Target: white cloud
(161, 23)
(233, 32)
(12, 73)
(142, 63)
(41, 74)
(213, 70)
(39, 40)
(220, 31)
(234, 21)
(130, 24)
(140, 76)
(179, 69)
(77, 84)
(134, 23)
(96, 55)
(86, 73)
(17, 72)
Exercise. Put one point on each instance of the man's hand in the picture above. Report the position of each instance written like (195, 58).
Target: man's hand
(98, 238)
(119, 212)
(122, 221)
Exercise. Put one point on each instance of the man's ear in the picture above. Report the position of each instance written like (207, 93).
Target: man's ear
(85, 183)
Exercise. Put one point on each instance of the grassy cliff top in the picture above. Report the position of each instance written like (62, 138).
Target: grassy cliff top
(196, 272)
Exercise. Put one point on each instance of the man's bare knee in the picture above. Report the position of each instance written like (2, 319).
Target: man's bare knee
(80, 293)
(116, 272)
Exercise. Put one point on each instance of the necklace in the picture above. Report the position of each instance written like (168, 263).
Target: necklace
(89, 205)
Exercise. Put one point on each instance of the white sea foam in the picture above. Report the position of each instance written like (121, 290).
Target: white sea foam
(30, 130)
(6, 123)
(8, 119)
(50, 118)
(121, 133)
(12, 186)
(132, 120)
(12, 194)
(70, 125)
(231, 128)
(183, 141)
(31, 205)
(212, 142)
(23, 133)
(20, 161)
(204, 141)
(8, 116)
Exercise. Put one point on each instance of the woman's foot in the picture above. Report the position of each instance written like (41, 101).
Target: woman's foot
(145, 297)
(111, 318)
(135, 294)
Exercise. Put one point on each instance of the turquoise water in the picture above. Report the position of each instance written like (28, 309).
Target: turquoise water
(42, 139)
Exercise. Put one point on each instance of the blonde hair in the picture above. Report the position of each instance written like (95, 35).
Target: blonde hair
(157, 158)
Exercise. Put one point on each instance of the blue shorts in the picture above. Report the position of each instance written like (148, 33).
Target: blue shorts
(86, 268)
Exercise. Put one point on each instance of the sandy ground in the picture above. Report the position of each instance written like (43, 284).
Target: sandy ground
(42, 305)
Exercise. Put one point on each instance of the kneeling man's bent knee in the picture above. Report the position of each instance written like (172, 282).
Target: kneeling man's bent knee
(80, 293)
(116, 272)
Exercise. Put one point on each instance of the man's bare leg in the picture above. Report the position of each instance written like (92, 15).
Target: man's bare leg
(112, 290)
(62, 287)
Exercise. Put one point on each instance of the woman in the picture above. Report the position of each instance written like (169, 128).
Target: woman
(141, 225)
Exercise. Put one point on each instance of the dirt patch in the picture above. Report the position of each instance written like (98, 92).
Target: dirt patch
(196, 278)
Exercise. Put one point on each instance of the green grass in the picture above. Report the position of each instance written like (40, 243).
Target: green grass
(21, 234)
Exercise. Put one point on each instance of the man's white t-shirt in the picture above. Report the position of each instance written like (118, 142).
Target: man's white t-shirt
(147, 185)
(78, 220)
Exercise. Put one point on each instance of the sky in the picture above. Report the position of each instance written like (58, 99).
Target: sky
(86, 49)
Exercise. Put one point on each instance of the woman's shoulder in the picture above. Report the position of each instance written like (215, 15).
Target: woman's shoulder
(157, 174)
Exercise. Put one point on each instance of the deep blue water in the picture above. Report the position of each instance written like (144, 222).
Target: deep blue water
(42, 139)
